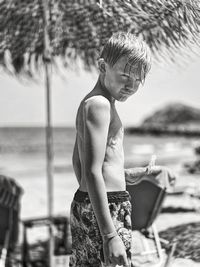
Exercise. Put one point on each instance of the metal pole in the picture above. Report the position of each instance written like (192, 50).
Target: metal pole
(49, 135)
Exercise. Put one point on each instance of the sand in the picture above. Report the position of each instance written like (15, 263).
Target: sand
(34, 201)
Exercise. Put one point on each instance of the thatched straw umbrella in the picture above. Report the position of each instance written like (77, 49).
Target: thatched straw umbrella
(33, 32)
(78, 28)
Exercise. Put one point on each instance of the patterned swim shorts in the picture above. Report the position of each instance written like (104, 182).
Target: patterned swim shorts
(87, 245)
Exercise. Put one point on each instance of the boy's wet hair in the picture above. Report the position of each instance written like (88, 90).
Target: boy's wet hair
(126, 44)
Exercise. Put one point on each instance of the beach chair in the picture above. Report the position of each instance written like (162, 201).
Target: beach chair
(36, 254)
(147, 198)
(10, 195)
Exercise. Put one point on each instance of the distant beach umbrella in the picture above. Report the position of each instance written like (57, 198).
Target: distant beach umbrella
(33, 32)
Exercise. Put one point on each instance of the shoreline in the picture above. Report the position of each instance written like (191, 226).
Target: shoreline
(165, 130)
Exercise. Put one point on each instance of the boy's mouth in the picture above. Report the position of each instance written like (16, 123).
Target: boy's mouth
(127, 92)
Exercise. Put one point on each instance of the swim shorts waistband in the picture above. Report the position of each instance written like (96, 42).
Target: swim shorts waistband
(113, 197)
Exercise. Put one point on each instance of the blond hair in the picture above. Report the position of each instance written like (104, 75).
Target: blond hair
(126, 44)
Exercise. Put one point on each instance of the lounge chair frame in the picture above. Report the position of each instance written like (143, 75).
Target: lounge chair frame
(147, 209)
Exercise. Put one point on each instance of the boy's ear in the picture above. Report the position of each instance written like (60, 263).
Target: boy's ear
(102, 65)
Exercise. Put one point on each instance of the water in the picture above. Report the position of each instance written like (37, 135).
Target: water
(21, 145)
(23, 157)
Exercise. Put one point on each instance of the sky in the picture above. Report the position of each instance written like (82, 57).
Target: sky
(22, 103)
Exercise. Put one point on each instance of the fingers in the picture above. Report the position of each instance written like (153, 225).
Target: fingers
(107, 260)
(115, 253)
(123, 261)
(113, 261)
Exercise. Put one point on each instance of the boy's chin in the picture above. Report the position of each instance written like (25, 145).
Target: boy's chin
(122, 98)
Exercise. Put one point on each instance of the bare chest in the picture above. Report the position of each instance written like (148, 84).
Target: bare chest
(116, 131)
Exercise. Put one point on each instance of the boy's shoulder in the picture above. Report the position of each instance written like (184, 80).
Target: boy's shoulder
(97, 109)
(96, 102)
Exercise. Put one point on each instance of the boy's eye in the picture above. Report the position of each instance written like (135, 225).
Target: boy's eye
(125, 76)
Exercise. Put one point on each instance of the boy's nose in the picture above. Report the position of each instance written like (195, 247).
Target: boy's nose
(130, 85)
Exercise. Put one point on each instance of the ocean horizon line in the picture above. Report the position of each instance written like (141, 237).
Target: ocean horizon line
(37, 126)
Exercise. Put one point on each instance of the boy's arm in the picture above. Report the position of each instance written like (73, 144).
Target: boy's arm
(76, 162)
(97, 121)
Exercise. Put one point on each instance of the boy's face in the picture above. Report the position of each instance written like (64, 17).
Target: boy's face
(122, 80)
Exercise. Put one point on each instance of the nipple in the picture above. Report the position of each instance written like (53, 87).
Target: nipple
(113, 141)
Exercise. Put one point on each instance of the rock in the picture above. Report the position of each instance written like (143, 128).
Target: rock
(174, 113)
(173, 119)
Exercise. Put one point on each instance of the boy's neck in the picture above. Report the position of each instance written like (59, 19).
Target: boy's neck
(100, 88)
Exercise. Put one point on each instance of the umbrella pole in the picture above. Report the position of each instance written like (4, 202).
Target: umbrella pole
(49, 154)
(49, 135)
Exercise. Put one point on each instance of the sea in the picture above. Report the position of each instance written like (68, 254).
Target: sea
(23, 157)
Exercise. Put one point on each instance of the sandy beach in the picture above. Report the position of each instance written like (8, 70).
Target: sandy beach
(35, 193)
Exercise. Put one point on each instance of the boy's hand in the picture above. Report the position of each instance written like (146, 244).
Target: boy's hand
(114, 252)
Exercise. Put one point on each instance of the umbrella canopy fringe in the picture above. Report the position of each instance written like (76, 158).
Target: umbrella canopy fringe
(79, 28)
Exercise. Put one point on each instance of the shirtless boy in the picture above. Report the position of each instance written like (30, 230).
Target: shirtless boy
(100, 211)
